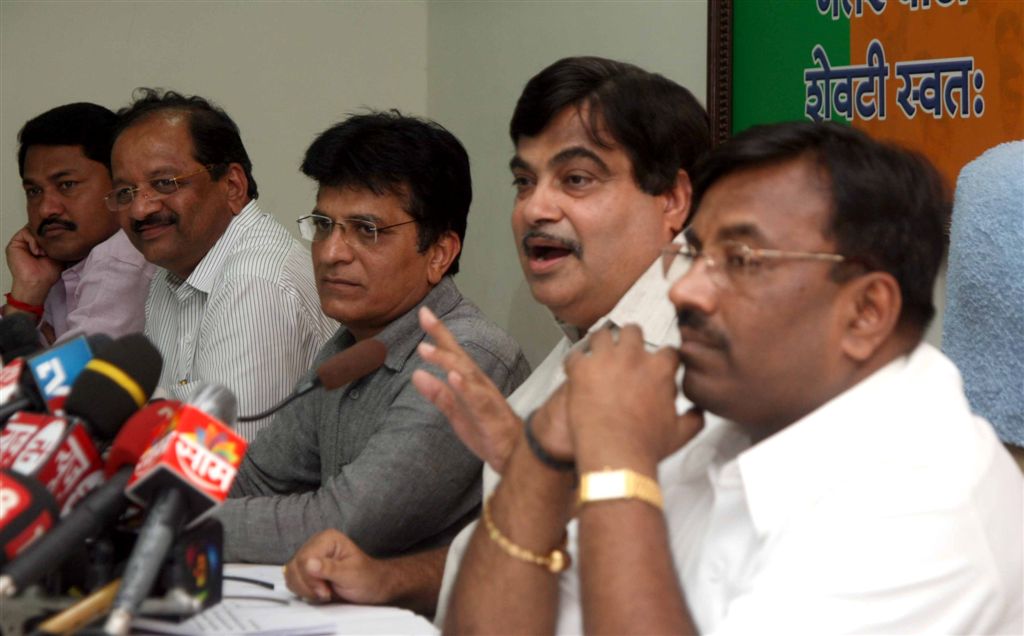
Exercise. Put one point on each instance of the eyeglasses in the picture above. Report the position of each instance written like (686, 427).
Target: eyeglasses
(120, 198)
(731, 263)
(355, 232)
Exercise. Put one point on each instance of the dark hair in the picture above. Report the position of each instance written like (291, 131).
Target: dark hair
(890, 206)
(90, 126)
(215, 137)
(659, 124)
(387, 152)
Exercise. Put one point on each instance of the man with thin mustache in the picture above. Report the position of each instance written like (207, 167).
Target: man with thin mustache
(234, 302)
(599, 191)
(73, 270)
(872, 500)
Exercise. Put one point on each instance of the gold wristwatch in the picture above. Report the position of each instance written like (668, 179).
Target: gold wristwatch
(603, 485)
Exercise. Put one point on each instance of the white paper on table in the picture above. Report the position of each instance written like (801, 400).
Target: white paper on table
(252, 610)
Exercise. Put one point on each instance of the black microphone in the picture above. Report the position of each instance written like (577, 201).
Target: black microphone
(362, 358)
(98, 510)
(18, 337)
(27, 511)
(184, 473)
(124, 373)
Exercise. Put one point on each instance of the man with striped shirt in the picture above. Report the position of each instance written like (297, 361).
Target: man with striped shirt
(234, 302)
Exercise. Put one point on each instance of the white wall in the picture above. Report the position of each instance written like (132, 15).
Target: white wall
(481, 54)
(283, 71)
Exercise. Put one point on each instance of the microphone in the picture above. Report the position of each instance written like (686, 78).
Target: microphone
(362, 358)
(27, 511)
(18, 337)
(193, 580)
(62, 453)
(20, 430)
(185, 473)
(100, 508)
(48, 376)
(124, 373)
(62, 457)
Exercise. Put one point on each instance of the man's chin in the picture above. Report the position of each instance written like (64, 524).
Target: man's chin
(704, 392)
(64, 251)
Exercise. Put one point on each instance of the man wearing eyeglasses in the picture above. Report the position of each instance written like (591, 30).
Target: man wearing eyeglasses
(234, 302)
(871, 501)
(74, 271)
(600, 171)
(374, 460)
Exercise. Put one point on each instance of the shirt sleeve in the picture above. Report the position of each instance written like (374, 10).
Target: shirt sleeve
(256, 341)
(413, 480)
(110, 298)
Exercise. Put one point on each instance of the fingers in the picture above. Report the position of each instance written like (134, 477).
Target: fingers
(447, 353)
(24, 239)
(300, 583)
(436, 330)
(441, 396)
(669, 357)
(627, 341)
(303, 572)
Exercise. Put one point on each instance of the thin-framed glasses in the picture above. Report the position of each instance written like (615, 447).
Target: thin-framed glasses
(729, 263)
(355, 232)
(120, 198)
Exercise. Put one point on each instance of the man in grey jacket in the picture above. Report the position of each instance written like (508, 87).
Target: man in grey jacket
(374, 459)
(603, 151)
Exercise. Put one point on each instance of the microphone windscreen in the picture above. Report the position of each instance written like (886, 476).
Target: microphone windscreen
(216, 401)
(115, 383)
(138, 432)
(362, 358)
(18, 337)
(98, 341)
(28, 511)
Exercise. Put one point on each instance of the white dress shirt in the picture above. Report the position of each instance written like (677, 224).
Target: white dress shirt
(248, 317)
(890, 509)
(646, 305)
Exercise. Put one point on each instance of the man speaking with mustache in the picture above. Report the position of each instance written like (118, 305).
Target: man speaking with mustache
(235, 302)
(73, 271)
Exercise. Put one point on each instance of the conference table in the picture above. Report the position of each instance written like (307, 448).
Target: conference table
(256, 602)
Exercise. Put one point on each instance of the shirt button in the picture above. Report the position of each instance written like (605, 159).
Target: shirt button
(354, 394)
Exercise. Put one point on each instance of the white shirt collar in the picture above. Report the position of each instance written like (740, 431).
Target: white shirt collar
(645, 303)
(796, 466)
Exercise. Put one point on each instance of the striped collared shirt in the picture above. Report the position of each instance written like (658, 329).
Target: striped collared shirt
(248, 317)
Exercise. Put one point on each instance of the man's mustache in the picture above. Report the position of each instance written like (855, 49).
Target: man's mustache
(47, 223)
(156, 218)
(698, 322)
(569, 244)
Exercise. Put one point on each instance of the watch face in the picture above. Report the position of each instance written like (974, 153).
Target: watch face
(619, 484)
(606, 484)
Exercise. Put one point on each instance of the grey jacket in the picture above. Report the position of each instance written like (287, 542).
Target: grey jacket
(373, 459)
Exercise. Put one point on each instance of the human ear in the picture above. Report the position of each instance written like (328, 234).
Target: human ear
(441, 254)
(677, 204)
(237, 185)
(872, 311)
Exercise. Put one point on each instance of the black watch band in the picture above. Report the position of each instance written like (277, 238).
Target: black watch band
(541, 454)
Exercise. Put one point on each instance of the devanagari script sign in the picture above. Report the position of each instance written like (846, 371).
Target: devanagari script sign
(943, 76)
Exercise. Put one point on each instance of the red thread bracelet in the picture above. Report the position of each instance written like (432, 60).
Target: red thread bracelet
(17, 304)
